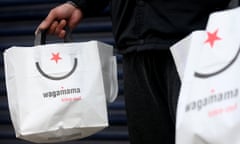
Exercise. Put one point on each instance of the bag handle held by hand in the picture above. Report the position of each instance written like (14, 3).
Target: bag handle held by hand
(40, 37)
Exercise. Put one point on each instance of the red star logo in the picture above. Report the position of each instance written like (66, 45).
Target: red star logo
(56, 57)
(212, 37)
(212, 90)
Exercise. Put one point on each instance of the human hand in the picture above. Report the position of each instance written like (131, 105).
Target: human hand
(60, 17)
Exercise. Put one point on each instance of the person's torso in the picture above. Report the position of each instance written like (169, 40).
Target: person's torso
(150, 24)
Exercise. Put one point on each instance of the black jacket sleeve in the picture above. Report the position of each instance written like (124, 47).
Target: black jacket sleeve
(91, 7)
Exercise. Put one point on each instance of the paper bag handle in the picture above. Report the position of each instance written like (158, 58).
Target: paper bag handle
(114, 81)
(40, 37)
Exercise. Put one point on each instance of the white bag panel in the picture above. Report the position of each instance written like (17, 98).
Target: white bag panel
(208, 106)
(54, 105)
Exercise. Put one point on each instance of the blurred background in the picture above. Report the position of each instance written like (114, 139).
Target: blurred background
(18, 21)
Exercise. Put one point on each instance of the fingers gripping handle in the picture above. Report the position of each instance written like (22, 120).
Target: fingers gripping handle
(40, 37)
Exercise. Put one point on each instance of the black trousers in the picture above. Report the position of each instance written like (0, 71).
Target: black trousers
(151, 88)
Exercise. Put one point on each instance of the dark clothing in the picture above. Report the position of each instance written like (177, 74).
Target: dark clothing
(143, 31)
(153, 24)
(151, 90)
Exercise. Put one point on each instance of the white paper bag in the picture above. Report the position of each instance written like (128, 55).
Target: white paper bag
(58, 92)
(208, 63)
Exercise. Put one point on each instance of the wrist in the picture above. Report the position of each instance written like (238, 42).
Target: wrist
(72, 3)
